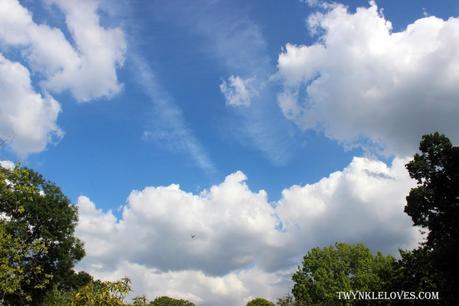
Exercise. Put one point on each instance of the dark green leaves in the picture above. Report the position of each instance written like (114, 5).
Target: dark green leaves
(39, 216)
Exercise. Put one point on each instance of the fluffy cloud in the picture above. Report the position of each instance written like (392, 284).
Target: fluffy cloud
(235, 288)
(168, 216)
(363, 83)
(362, 203)
(87, 69)
(101, 50)
(229, 243)
(237, 91)
(27, 119)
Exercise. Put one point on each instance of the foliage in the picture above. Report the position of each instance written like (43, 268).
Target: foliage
(13, 253)
(414, 272)
(57, 297)
(434, 206)
(62, 294)
(260, 302)
(39, 216)
(337, 268)
(140, 301)
(102, 293)
(168, 301)
(75, 281)
(286, 301)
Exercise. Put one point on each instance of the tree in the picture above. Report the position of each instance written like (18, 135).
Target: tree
(434, 205)
(260, 302)
(39, 216)
(414, 272)
(168, 301)
(286, 301)
(99, 293)
(13, 252)
(61, 294)
(342, 267)
(140, 301)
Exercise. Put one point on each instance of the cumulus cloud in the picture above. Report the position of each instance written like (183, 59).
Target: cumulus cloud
(87, 68)
(101, 52)
(27, 118)
(235, 288)
(85, 64)
(229, 243)
(237, 91)
(362, 203)
(361, 82)
(168, 216)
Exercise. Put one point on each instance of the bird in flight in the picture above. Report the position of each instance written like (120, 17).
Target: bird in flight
(193, 236)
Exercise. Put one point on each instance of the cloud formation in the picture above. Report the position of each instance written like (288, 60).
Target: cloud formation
(85, 63)
(238, 91)
(27, 119)
(87, 68)
(230, 240)
(238, 45)
(168, 128)
(361, 83)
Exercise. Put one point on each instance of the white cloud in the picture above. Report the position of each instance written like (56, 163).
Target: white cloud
(238, 45)
(237, 91)
(235, 288)
(362, 81)
(362, 203)
(27, 118)
(101, 52)
(168, 126)
(86, 66)
(228, 243)
(168, 216)
(7, 164)
(87, 69)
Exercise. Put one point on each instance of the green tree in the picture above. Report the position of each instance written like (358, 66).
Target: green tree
(13, 252)
(434, 205)
(414, 272)
(62, 294)
(40, 217)
(102, 293)
(288, 300)
(260, 302)
(168, 301)
(140, 301)
(342, 267)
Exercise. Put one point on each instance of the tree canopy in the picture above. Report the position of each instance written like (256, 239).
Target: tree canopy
(343, 267)
(102, 293)
(260, 302)
(39, 221)
(434, 205)
(168, 301)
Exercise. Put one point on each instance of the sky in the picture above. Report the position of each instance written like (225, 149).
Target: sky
(261, 128)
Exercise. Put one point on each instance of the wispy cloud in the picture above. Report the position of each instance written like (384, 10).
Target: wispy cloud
(238, 45)
(168, 127)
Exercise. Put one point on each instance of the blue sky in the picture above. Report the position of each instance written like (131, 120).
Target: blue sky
(103, 153)
(155, 93)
